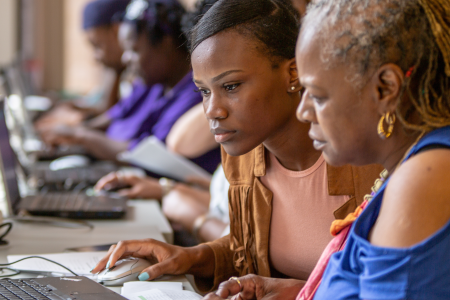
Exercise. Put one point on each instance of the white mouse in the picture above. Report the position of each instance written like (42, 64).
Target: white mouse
(70, 161)
(127, 269)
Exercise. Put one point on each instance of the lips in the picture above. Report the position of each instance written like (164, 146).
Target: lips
(222, 135)
(318, 143)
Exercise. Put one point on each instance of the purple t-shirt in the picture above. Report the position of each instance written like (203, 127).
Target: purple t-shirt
(147, 111)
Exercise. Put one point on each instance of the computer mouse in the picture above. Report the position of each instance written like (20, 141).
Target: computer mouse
(127, 269)
(70, 161)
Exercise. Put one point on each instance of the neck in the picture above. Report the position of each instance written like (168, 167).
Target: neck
(179, 67)
(292, 146)
(398, 150)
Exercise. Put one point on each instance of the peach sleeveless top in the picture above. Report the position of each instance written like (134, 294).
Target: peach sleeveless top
(301, 216)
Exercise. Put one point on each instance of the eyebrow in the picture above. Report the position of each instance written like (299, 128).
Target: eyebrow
(308, 83)
(218, 77)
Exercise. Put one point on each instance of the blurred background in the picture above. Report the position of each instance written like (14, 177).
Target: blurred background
(46, 38)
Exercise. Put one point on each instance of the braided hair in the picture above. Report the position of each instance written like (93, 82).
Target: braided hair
(162, 18)
(413, 34)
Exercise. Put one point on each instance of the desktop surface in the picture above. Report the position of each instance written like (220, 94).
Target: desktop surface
(143, 220)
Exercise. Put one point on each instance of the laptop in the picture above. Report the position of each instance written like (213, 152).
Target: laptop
(55, 288)
(28, 146)
(66, 204)
(21, 119)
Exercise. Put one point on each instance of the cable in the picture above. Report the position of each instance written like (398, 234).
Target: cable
(9, 224)
(55, 221)
(40, 257)
(17, 272)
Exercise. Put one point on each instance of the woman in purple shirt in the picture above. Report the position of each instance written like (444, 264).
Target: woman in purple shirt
(155, 45)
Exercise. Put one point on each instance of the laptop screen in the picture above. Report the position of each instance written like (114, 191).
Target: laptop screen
(8, 162)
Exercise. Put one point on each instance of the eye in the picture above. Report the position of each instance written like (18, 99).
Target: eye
(231, 87)
(204, 92)
(315, 98)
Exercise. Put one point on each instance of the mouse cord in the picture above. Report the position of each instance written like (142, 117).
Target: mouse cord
(40, 257)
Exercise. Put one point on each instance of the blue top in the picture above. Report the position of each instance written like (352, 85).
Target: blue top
(364, 271)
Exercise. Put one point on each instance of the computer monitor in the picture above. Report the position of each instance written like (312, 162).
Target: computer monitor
(8, 163)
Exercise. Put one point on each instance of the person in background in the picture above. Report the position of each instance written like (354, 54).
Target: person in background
(158, 47)
(201, 210)
(282, 196)
(101, 21)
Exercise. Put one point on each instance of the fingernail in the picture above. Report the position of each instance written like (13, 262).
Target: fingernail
(91, 270)
(143, 277)
(107, 265)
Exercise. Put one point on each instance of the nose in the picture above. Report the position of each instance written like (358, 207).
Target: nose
(214, 108)
(305, 110)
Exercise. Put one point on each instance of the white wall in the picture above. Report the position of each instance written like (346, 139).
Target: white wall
(8, 30)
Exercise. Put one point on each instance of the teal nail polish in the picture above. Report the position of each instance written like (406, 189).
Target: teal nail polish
(143, 277)
(107, 265)
(91, 270)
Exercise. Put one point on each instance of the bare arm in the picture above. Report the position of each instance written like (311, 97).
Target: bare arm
(100, 122)
(415, 203)
(96, 142)
(184, 204)
(99, 145)
(211, 230)
(190, 136)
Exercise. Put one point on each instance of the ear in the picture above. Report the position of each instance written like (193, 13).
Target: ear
(294, 84)
(388, 82)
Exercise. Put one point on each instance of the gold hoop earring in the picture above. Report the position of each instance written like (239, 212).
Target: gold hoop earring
(390, 121)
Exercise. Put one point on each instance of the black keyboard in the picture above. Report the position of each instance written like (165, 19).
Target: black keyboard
(89, 175)
(25, 289)
(61, 201)
(74, 205)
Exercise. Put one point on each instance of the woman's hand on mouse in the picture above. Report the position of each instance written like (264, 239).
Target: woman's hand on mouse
(257, 287)
(137, 186)
(166, 259)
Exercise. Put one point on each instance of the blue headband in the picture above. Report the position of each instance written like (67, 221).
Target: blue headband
(101, 12)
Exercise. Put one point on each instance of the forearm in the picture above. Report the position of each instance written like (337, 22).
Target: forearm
(100, 146)
(203, 261)
(114, 93)
(100, 122)
(211, 230)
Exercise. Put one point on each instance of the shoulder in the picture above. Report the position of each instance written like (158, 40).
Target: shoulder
(416, 201)
(241, 169)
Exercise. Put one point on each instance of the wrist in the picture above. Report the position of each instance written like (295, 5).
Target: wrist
(202, 261)
(198, 224)
(80, 134)
(167, 185)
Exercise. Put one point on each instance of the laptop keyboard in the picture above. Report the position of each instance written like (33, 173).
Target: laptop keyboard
(58, 201)
(25, 290)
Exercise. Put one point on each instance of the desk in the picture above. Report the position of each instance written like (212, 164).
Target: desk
(144, 220)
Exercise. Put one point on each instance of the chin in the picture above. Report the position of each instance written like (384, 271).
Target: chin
(235, 150)
(334, 160)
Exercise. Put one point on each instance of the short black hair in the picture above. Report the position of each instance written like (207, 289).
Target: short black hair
(163, 18)
(191, 19)
(274, 23)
